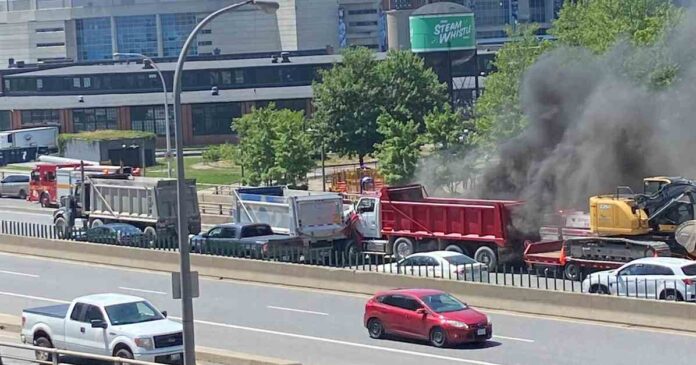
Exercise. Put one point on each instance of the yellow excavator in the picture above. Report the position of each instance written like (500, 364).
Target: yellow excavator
(664, 212)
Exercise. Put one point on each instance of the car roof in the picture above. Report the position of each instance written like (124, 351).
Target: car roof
(437, 254)
(238, 225)
(665, 261)
(415, 292)
(107, 299)
(118, 225)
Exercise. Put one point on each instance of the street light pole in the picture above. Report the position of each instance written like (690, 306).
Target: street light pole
(166, 106)
(182, 229)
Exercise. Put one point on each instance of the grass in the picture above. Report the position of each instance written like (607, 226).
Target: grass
(204, 173)
(107, 134)
(17, 168)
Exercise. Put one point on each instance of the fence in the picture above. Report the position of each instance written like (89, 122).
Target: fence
(51, 356)
(293, 251)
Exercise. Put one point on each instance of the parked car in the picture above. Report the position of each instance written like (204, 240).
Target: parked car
(652, 277)
(105, 324)
(15, 185)
(255, 240)
(113, 233)
(425, 314)
(440, 264)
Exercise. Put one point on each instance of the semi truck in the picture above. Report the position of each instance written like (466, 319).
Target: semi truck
(147, 203)
(396, 221)
(45, 139)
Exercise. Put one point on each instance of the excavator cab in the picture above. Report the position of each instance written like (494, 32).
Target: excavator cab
(652, 185)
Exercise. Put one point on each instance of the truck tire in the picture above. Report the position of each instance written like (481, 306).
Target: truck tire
(124, 353)
(42, 341)
(45, 200)
(403, 247)
(572, 271)
(96, 223)
(150, 234)
(486, 255)
(455, 248)
(61, 227)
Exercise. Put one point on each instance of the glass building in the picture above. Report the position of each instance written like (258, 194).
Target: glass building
(93, 39)
(175, 30)
(137, 34)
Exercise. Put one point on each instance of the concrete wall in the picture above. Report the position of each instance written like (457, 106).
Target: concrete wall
(650, 313)
(99, 150)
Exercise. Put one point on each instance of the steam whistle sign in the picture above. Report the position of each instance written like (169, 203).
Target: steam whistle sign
(433, 33)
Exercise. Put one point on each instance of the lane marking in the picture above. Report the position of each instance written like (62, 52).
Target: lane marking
(47, 215)
(34, 297)
(143, 290)
(297, 310)
(514, 339)
(18, 274)
(344, 343)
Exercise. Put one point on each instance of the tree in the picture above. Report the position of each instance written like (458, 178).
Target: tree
(399, 152)
(293, 148)
(598, 24)
(274, 146)
(347, 102)
(408, 85)
(498, 111)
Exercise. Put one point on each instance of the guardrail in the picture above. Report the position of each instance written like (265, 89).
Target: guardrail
(550, 279)
(51, 356)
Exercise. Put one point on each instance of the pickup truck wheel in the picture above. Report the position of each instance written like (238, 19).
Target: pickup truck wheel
(572, 271)
(403, 247)
(486, 255)
(43, 355)
(124, 354)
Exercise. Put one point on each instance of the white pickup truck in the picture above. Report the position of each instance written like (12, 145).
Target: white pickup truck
(105, 324)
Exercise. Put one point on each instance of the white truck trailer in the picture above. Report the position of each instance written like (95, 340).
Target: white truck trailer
(45, 139)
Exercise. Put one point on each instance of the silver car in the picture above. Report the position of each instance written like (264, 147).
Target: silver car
(15, 186)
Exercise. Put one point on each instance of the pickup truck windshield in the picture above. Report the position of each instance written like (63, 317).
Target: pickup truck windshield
(257, 231)
(130, 313)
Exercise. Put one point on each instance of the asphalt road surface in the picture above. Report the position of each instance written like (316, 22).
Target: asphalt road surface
(23, 211)
(323, 328)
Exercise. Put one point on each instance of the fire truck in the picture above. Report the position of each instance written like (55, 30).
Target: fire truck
(51, 181)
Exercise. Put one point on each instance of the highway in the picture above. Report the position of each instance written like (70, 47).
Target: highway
(323, 328)
(24, 211)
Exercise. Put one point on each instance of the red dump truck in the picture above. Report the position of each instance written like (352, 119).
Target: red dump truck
(402, 220)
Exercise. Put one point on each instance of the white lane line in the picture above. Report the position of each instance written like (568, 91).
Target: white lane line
(34, 297)
(345, 343)
(514, 339)
(18, 274)
(297, 310)
(143, 290)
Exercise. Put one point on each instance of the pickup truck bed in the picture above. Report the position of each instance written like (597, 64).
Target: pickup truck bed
(56, 311)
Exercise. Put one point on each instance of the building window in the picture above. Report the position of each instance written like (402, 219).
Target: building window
(5, 120)
(95, 119)
(175, 29)
(50, 30)
(94, 39)
(51, 44)
(150, 119)
(205, 43)
(40, 118)
(209, 119)
(362, 11)
(363, 23)
(537, 10)
(491, 13)
(137, 34)
(206, 31)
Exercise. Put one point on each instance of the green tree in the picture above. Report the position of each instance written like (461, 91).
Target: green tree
(398, 154)
(274, 146)
(347, 102)
(408, 85)
(598, 24)
(498, 111)
(293, 148)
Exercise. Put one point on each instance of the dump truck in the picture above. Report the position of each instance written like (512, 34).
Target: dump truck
(622, 227)
(147, 203)
(318, 218)
(402, 220)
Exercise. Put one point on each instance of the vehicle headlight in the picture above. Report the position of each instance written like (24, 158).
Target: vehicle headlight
(144, 342)
(456, 324)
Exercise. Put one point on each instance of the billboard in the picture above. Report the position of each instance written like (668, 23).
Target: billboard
(442, 32)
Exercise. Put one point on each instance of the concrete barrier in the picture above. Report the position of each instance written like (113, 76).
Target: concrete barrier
(11, 325)
(630, 311)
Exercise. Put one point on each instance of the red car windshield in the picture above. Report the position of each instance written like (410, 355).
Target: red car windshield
(443, 303)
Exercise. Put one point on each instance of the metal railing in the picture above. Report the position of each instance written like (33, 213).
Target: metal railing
(53, 356)
(216, 208)
(544, 278)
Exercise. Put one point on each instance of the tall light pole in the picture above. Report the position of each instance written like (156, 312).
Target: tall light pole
(182, 229)
(166, 105)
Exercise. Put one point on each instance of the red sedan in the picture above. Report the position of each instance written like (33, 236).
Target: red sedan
(426, 314)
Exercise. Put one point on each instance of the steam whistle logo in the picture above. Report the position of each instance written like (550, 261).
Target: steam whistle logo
(448, 31)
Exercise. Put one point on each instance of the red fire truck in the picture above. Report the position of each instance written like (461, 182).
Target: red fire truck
(45, 185)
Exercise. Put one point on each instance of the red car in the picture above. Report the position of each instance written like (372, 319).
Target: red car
(425, 314)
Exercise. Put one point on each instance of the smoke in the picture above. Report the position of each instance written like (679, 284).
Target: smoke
(595, 123)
